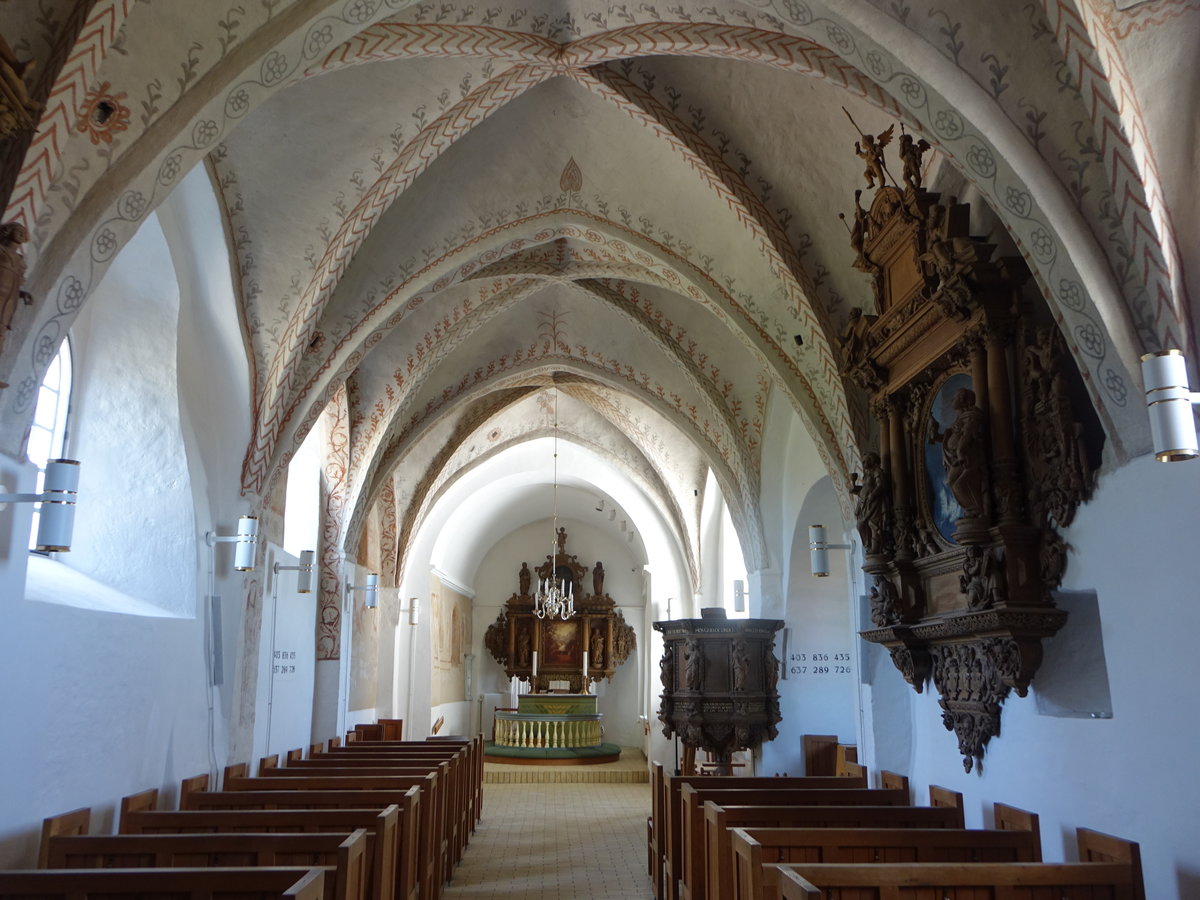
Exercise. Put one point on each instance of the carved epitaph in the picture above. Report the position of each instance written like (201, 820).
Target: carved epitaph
(986, 445)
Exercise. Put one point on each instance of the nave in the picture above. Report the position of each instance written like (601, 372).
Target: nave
(545, 841)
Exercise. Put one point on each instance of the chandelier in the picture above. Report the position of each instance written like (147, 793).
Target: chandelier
(555, 597)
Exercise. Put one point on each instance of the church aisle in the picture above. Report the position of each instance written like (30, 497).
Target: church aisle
(557, 842)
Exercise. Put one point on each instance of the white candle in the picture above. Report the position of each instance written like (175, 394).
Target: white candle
(512, 692)
(585, 669)
(535, 664)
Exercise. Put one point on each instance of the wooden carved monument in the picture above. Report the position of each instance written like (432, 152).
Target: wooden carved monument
(597, 632)
(719, 678)
(986, 446)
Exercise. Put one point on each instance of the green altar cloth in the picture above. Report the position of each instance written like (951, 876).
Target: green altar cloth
(557, 704)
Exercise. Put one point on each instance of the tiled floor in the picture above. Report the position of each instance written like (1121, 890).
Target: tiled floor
(557, 842)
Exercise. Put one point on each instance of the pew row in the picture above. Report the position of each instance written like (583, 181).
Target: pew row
(979, 881)
(392, 833)
(262, 883)
(754, 848)
(428, 862)
(665, 828)
(718, 820)
(694, 844)
(343, 857)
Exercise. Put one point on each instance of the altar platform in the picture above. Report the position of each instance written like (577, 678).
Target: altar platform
(551, 729)
(629, 768)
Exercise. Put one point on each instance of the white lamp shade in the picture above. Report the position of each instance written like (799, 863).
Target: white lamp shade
(1172, 422)
(372, 591)
(739, 596)
(57, 519)
(414, 611)
(818, 551)
(247, 543)
(304, 578)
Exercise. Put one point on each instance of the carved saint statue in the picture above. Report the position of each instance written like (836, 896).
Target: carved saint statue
(12, 274)
(741, 665)
(910, 155)
(853, 339)
(693, 665)
(870, 151)
(562, 541)
(872, 507)
(964, 454)
(525, 576)
(666, 667)
(18, 111)
(523, 650)
(596, 647)
(598, 579)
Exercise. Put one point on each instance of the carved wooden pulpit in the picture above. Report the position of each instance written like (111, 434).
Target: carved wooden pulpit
(719, 678)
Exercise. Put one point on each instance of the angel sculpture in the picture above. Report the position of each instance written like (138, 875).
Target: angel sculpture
(870, 150)
(910, 155)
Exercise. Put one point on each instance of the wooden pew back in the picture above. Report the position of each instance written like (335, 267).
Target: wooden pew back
(696, 848)
(394, 853)
(346, 854)
(755, 847)
(981, 881)
(261, 883)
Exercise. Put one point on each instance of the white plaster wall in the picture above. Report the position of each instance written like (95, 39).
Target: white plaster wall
(134, 529)
(1132, 775)
(495, 580)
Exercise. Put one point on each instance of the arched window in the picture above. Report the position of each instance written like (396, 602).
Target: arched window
(48, 434)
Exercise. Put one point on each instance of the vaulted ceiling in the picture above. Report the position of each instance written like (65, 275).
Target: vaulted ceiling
(438, 210)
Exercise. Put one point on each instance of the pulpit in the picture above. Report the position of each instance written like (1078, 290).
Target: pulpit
(719, 678)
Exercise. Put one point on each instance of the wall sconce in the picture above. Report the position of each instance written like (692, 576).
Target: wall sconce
(60, 489)
(304, 579)
(370, 591)
(739, 596)
(414, 608)
(1172, 423)
(819, 549)
(246, 540)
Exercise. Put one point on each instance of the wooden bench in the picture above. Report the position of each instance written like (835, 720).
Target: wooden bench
(429, 862)
(753, 848)
(666, 830)
(459, 780)
(719, 820)
(979, 881)
(438, 841)
(348, 876)
(262, 883)
(394, 831)
(695, 841)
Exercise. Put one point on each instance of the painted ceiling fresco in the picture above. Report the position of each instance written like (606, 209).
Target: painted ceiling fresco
(439, 210)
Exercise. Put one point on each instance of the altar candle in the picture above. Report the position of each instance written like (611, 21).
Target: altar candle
(585, 669)
(512, 692)
(535, 664)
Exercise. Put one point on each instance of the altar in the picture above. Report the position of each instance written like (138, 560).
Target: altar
(551, 721)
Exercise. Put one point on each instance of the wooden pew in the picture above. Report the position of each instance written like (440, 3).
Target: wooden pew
(429, 837)
(754, 848)
(262, 883)
(459, 779)
(984, 881)
(1097, 847)
(669, 842)
(695, 840)
(433, 780)
(393, 829)
(136, 803)
(348, 875)
(77, 821)
(719, 820)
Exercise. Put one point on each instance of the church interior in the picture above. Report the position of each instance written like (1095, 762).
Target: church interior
(455, 305)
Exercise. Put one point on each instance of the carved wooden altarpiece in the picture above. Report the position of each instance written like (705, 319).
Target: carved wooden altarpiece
(597, 628)
(986, 446)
